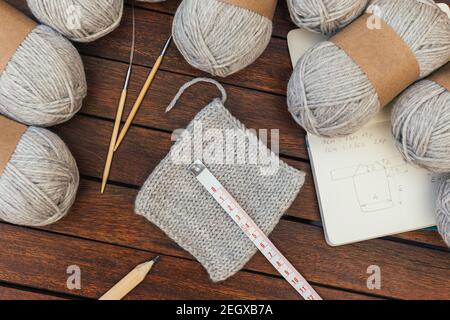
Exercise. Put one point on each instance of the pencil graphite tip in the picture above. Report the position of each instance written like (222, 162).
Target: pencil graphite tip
(156, 259)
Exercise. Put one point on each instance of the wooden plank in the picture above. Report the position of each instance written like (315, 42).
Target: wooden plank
(7, 293)
(430, 237)
(44, 258)
(408, 272)
(256, 109)
(88, 140)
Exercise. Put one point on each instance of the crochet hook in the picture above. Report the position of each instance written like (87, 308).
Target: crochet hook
(120, 108)
(130, 281)
(142, 94)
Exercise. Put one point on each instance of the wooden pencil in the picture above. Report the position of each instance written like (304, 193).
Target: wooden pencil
(130, 281)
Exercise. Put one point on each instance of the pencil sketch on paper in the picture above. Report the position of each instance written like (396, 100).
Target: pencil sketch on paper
(375, 185)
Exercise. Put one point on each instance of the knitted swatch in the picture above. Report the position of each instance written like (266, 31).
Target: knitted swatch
(177, 203)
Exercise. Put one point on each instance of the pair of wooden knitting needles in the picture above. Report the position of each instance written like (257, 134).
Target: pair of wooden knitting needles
(116, 138)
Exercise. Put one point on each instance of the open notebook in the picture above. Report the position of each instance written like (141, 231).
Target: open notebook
(364, 187)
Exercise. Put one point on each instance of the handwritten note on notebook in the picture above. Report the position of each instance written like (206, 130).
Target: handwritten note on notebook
(364, 187)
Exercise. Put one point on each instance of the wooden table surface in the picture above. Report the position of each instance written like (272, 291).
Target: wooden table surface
(106, 239)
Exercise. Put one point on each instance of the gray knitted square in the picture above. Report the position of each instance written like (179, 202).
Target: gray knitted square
(177, 203)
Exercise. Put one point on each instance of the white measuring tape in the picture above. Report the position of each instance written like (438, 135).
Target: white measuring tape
(253, 232)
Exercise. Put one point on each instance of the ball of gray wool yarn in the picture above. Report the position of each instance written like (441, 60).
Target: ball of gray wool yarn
(443, 211)
(79, 20)
(329, 95)
(219, 38)
(44, 82)
(325, 16)
(39, 184)
(421, 126)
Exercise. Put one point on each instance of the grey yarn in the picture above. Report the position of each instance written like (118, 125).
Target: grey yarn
(443, 211)
(176, 202)
(79, 20)
(219, 38)
(44, 83)
(325, 16)
(421, 126)
(329, 95)
(39, 184)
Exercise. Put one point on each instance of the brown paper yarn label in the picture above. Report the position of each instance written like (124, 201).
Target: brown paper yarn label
(442, 76)
(382, 54)
(11, 133)
(265, 8)
(14, 28)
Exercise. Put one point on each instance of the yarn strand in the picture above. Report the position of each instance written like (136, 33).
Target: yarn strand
(190, 84)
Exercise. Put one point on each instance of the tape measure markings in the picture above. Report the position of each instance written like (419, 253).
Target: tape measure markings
(253, 232)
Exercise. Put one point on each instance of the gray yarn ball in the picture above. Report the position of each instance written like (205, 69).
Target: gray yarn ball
(325, 16)
(219, 38)
(79, 20)
(421, 126)
(39, 184)
(329, 95)
(443, 211)
(44, 82)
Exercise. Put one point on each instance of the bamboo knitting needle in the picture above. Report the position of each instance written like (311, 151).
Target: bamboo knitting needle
(142, 94)
(119, 114)
(130, 281)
